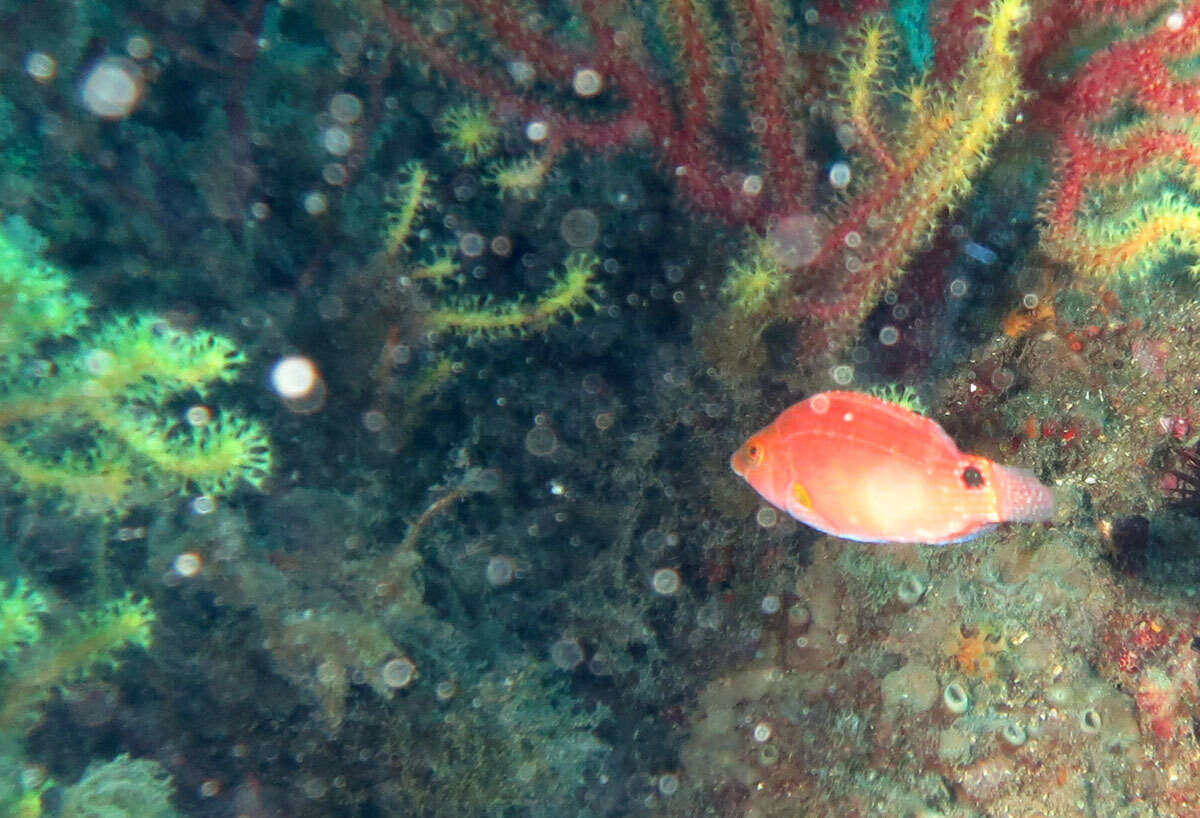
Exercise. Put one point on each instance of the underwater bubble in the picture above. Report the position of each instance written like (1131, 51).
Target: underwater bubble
(566, 654)
(203, 504)
(665, 581)
(398, 672)
(41, 66)
(762, 732)
(767, 517)
(771, 604)
(537, 131)
(471, 245)
(197, 415)
(889, 335)
(501, 570)
(668, 784)
(521, 71)
(297, 380)
(345, 108)
(314, 203)
(113, 88)
(587, 82)
(541, 441)
(187, 564)
(374, 421)
(337, 140)
(797, 239)
(839, 175)
(580, 227)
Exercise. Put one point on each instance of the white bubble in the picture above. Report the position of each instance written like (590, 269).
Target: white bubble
(113, 88)
(767, 517)
(888, 335)
(337, 140)
(521, 71)
(587, 82)
(315, 203)
(187, 564)
(839, 175)
(203, 504)
(500, 570)
(471, 245)
(399, 672)
(294, 377)
(762, 732)
(197, 415)
(41, 66)
(752, 185)
(345, 108)
(771, 604)
(665, 581)
(138, 47)
(842, 374)
(537, 131)
(1174, 21)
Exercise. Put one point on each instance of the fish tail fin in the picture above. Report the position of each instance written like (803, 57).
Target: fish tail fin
(1021, 497)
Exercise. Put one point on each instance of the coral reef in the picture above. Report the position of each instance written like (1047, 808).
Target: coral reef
(543, 267)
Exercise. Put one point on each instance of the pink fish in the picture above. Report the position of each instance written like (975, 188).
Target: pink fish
(862, 468)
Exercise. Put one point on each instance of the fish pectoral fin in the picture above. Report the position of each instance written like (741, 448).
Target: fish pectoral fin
(800, 495)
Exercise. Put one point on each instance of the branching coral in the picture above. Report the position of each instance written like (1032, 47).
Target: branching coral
(88, 423)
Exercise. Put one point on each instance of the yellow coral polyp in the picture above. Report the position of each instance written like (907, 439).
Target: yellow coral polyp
(568, 295)
(409, 200)
(470, 131)
(755, 280)
(520, 178)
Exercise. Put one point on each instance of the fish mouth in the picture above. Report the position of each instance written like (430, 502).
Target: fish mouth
(738, 462)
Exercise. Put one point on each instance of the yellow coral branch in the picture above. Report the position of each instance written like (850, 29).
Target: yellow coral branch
(569, 294)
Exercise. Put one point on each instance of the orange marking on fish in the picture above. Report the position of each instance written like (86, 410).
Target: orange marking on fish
(858, 467)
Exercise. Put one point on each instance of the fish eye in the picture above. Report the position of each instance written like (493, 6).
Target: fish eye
(754, 452)
(972, 478)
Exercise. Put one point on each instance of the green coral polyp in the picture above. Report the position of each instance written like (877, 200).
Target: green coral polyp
(21, 608)
(92, 427)
(212, 457)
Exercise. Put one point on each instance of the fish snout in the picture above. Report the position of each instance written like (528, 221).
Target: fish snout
(1020, 496)
(740, 462)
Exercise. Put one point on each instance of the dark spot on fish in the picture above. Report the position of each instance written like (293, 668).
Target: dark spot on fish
(972, 478)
